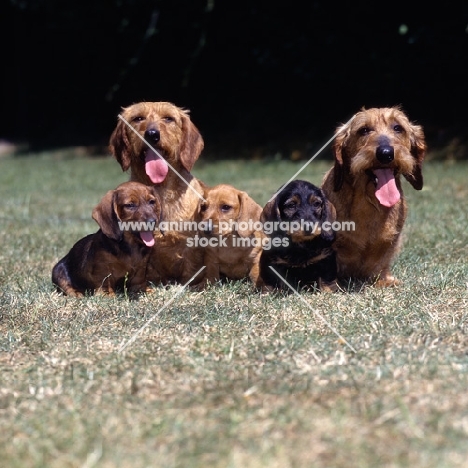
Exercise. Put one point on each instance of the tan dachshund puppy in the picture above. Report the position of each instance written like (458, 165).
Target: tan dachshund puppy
(115, 257)
(372, 152)
(233, 238)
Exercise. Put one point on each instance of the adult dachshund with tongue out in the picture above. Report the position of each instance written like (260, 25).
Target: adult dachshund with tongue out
(114, 258)
(159, 144)
(372, 151)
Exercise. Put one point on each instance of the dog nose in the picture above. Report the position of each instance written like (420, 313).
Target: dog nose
(385, 154)
(152, 135)
(208, 230)
(151, 223)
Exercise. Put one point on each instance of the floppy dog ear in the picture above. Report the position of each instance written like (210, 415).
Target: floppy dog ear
(249, 211)
(270, 211)
(328, 214)
(192, 143)
(418, 150)
(119, 145)
(105, 215)
(201, 208)
(339, 153)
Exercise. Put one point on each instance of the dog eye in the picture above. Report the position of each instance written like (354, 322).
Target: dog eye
(152, 201)
(364, 131)
(203, 207)
(130, 206)
(316, 204)
(168, 119)
(398, 128)
(138, 118)
(290, 206)
(225, 208)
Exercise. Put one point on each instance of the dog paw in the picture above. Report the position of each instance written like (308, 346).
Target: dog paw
(328, 287)
(387, 281)
(264, 289)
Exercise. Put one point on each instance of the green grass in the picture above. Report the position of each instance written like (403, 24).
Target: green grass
(227, 377)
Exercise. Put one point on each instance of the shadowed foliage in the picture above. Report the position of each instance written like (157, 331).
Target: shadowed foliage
(253, 73)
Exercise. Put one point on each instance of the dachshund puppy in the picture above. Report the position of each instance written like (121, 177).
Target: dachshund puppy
(299, 222)
(159, 144)
(231, 227)
(372, 152)
(113, 259)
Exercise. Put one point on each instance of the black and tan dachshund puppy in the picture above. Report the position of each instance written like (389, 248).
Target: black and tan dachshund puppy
(299, 221)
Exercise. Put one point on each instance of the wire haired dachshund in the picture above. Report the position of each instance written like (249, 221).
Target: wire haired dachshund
(372, 152)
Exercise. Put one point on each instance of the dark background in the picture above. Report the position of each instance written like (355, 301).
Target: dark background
(255, 74)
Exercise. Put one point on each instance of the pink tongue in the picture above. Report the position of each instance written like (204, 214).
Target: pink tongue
(155, 167)
(386, 191)
(147, 238)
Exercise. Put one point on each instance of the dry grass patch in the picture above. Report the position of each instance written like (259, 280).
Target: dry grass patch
(229, 377)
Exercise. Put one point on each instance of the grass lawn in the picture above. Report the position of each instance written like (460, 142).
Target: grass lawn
(227, 377)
